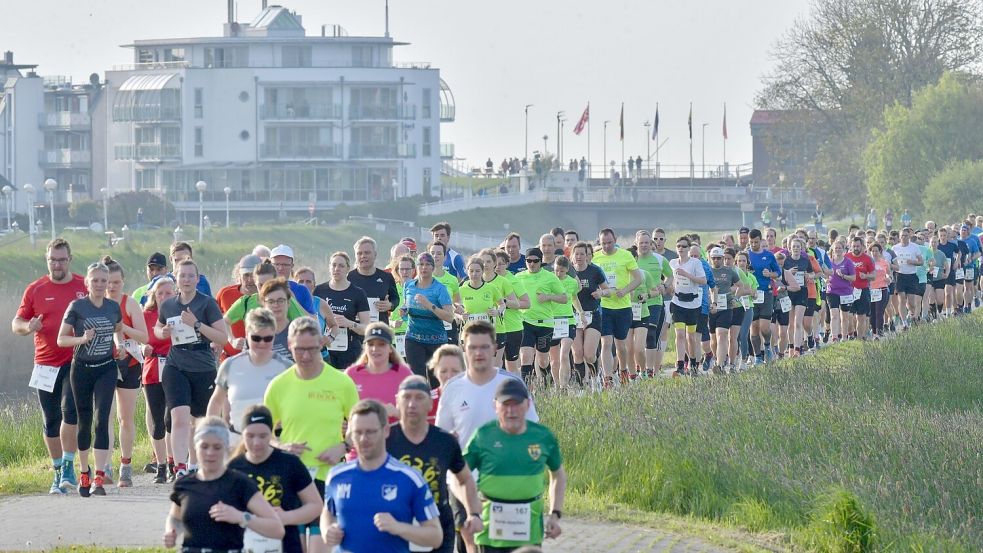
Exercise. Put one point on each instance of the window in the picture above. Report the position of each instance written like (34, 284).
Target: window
(361, 56)
(425, 103)
(427, 141)
(295, 56)
(227, 57)
(173, 54)
(145, 55)
(199, 142)
(199, 100)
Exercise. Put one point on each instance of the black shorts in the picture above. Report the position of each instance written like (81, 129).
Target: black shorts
(908, 284)
(539, 337)
(765, 309)
(129, 375)
(595, 320)
(780, 317)
(737, 316)
(938, 284)
(510, 341)
(657, 317)
(811, 307)
(835, 303)
(615, 322)
(684, 315)
(188, 389)
(799, 298)
(861, 306)
(703, 326)
(721, 319)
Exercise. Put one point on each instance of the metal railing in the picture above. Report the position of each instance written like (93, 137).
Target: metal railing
(381, 151)
(312, 111)
(299, 151)
(447, 112)
(146, 114)
(447, 150)
(151, 65)
(64, 120)
(413, 65)
(369, 112)
(147, 152)
(64, 156)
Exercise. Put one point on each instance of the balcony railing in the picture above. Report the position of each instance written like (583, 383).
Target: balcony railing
(303, 112)
(64, 120)
(152, 65)
(382, 151)
(299, 151)
(64, 157)
(447, 112)
(146, 113)
(447, 150)
(148, 152)
(401, 111)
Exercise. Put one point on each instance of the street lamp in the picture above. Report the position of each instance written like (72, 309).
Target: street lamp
(51, 185)
(703, 162)
(227, 191)
(559, 133)
(648, 149)
(545, 138)
(781, 190)
(604, 165)
(29, 188)
(201, 186)
(526, 154)
(105, 208)
(7, 191)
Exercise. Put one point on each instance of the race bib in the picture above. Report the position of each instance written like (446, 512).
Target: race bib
(786, 303)
(935, 272)
(970, 273)
(636, 311)
(133, 348)
(561, 328)
(583, 322)
(401, 344)
(856, 293)
(255, 543)
(721, 302)
(340, 342)
(759, 296)
(846, 300)
(373, 310)
(447, 325)
(876, 295)
(43, 377)
(612, 280)
(180, 332)
(800, 279)
(161, 363)
(960, 274)
(510, 521)
(479, 317)
(682, 282)
(746, 302)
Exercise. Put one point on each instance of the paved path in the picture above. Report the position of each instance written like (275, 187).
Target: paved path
(134, 517)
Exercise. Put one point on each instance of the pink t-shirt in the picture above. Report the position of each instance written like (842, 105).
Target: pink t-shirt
(381, 387)
(880, 275)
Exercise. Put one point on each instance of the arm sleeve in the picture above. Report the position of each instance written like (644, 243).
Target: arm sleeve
(393, 293)
(444, 296)
(26, 309)
(212, 312)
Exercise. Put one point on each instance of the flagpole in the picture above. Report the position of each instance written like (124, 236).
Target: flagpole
(725, 141)
(690, 122)
(657, 167)
(622, 142)
(587, 182)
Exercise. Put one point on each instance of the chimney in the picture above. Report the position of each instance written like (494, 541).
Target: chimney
(8, 57)
(232, 17)
(264, 4)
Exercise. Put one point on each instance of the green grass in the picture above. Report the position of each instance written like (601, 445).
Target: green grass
(859, 447)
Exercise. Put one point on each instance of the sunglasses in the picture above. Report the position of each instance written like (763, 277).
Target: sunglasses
(256, 338)
(533, 260)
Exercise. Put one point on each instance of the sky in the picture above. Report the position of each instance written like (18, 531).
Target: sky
(557, 55)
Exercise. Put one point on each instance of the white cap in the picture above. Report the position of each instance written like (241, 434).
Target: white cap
(282, 249)
(717, 252)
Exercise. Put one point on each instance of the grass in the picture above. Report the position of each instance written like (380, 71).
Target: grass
(853, 449)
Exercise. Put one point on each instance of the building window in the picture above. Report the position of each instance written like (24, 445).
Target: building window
(426, 182)
(295, 56)
(427, 141)
(361, 56)
(227, 57)
(199, 100)
(425, 103)
(173, 54)
(145, 55)
(199, 142)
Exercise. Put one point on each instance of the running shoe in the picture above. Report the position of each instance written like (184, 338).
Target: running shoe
(125, 476)
(85, 483)
(55, 488)
(98, 485)
(108, 469)
(68, 480)
(150, 468)
(161, 477)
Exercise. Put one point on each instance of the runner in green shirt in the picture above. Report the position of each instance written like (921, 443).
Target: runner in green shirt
(560, 347)
(658, 267)
(480, 301)
(544, 290)
(623, 277)
(510, 337)
(512, 457)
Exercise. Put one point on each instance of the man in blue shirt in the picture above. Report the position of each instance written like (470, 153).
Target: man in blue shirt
(283, 261)
(370, 503)
(765, 268)
(517, 261)
(973, 249)
(453, 260)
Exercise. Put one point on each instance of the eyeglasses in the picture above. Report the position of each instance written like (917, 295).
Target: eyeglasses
(58, 260)
(257, 338)
(277, 301)
(533, 260)
(310, 351)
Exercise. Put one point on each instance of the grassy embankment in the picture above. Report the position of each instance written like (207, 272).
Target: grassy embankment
(861, 447)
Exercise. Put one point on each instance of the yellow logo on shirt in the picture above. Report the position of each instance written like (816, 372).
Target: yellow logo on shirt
(535, 452)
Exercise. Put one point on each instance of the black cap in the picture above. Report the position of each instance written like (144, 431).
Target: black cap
(534, 252)
(379, 333)
(743, 230)
(511, 388)
(157, 259)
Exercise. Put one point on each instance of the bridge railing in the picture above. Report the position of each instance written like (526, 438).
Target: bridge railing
(620, 194)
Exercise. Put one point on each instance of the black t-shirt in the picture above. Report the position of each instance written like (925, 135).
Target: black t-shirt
(347, 303)
(379, 284)
(196, 356)
(281, 478)
(82, 315)
(195, 497)
(433, 457)
(802, 264)
(590, 279)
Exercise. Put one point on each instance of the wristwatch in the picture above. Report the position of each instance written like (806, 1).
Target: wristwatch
(197, 325)
(247, 516)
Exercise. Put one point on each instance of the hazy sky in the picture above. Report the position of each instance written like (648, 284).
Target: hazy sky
(496, 56)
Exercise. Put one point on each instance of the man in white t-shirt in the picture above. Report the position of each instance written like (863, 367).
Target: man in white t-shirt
(688, 278)
(909, 257)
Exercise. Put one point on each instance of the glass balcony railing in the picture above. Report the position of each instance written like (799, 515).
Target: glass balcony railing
(64, 120)
(147, 152)
(377, 112)
(447, 150)
(64, 157)
(289, 113)
(381, 151)
(299, 151)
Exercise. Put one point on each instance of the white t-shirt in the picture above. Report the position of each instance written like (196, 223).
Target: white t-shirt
(246, 383)
(907, 253)
(684, 285)
(465, 406)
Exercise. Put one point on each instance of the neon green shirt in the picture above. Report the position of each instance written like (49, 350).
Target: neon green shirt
(480, 300)
(659, 267)
(542, 282)
(618, 267)
(512, 322)
(451, 282)
(570, 287)
(237, 311)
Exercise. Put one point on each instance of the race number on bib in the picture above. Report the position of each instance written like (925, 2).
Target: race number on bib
(636, 311)
(133, 348)
(401, 344)
(876, 294)
(856, 293)
(510, 521)
(585, 321)
(935, 272)
(800, 279)
(960, 274)
(478, 317)
(340, 342)
(43, 377)
(746, 302)
(373, 310)
(846, 300)
(448, 325)
(180, 332)
(970, 273)
(786, 303)
(255, 543)
(721, 302)
(759, 296)
(561, 328)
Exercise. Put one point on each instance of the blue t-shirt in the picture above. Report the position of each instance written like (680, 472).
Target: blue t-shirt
(354, 496)
(973, 245)
(425, 327)
(303, 297)
(761, 261)
(949, 249)
(454, 263)
(519, 265)
(711, 283)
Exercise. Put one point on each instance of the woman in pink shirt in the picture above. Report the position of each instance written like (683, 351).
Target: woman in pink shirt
(379, 370)
(879, 296)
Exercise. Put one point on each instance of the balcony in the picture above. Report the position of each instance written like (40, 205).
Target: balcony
(146, 114)
(394, 112)
(382, 151)
(303, 113)
(446, 150)
(447, 103)
(67, 120)
(64, 158)
(299, 151)
(147, 152)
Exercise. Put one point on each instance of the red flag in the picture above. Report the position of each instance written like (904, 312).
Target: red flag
(725, 121)
(622, 121)
(583, 121)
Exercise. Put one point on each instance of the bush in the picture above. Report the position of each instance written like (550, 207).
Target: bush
(124, 208)
(839, 525)
(85, 212)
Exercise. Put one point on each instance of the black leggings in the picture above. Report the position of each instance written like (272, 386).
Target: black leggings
(418, 355)
(58, 405)
(156, 406)
(94, 386)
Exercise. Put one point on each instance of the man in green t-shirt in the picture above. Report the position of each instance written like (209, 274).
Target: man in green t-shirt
(544, 291)
(623, 277)
(512, 457)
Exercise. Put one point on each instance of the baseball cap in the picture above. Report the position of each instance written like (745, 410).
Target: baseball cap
(378, 333)
(534, 252)
(283, 250)
(157, 259)
(744, 230)
(248, 263)
(409, 243)
(511, 388)
(717, 252)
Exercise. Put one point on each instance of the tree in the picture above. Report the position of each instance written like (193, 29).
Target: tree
(849, 59)
(955, 190)
(942, 125)
(85, 212)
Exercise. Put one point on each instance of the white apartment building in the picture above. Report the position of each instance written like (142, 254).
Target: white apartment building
(281, 120)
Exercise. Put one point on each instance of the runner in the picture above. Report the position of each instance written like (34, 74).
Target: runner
(281, 478)
(658, 276)
(688, 276)
(512, 246)
(282, 257)
(435, 453)
(243, 378)
(879, 296)
(480, 300)
(560, 346)
(950, 250)
(970, 260)
(623, 277)
(181, 251)
(41, 310)
(379, 370)
(427, 306)
(544, 292)
(245, 285)
(593, 284)
(547, 245)
(839, 291)
(797, 272)
(703, 321)
(405, 271)
(860, 308)
(765, 268)
(446, 363)
(350, 307)
(512, 455)
(722, 310)
(154, 360)
(453, 261)
(378, 285)
(306, 277)
(740, 319)
(911, 281)
(510, 340)
(356, 515)
(156, 267)
(437, 250)
(192, 322)
(92, 325)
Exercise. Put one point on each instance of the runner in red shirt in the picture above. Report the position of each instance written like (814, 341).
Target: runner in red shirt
(40, 313)
(228, 295)
(865, 273)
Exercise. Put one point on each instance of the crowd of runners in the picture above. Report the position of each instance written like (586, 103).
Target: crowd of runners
(347, 406)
